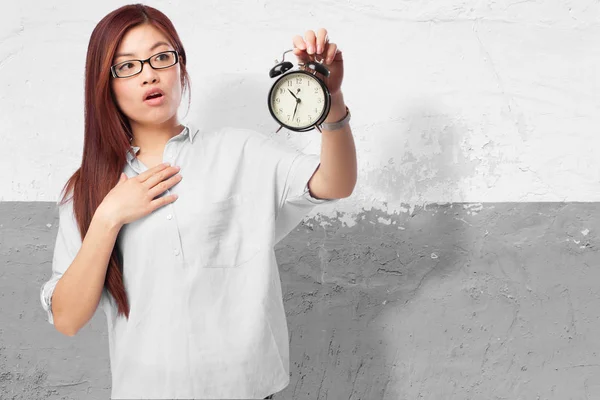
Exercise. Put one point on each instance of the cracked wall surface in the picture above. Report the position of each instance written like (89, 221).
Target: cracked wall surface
(457, 101)
(455, 301)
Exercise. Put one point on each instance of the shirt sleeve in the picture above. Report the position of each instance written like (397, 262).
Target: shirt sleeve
(296, 200)
(293, 170)
(67, 244)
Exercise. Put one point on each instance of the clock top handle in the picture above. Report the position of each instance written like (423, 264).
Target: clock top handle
(285, 66)
(316, 66)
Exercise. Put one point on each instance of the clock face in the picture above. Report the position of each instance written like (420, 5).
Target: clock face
(297, 100)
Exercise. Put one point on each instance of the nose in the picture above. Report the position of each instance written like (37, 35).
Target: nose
(148, 73)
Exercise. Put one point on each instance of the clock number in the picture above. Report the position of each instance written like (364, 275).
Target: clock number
(281, 110)
(299, 81)
(320, 100)
(316, 90)
(298, 119)
(310, 117)
(317, 110)
(278, 100)
(289, 117)
(289, 82)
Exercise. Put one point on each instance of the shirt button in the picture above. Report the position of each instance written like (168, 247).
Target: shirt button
(169, 216)
(176, 252)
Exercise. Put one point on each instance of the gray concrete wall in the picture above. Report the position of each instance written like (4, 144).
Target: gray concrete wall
(459, 301)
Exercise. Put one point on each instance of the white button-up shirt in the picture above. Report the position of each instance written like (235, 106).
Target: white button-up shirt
(206, 309)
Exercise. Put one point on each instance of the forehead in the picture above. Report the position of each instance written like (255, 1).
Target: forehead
(140, 41)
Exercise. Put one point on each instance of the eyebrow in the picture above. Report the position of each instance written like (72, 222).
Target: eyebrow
(151, 48)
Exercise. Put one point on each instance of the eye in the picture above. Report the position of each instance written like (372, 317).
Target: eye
(125, 65)
(165, 56)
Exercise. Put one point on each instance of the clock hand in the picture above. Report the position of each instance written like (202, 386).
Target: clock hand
(292, 94)
(297, 102)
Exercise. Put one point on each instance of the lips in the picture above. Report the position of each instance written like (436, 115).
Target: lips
(153, 94)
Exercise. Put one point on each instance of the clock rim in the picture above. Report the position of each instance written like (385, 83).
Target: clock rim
(323, 115)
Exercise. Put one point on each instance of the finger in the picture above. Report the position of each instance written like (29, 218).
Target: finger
(162, 201)
(162, 185)
(165, 175)
(302, 55)
(322, 39)
(150, 172)
(330, 53)
(310, 39)
(298, 42)
(300, 49)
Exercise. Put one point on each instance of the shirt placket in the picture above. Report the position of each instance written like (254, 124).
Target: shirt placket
(172, 149)
(170, 153)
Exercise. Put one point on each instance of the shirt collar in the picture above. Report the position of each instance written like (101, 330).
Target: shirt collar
(189, 127)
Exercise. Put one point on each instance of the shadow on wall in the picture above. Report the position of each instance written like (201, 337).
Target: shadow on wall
(423, 153)
(345, 287)
(236, 100)
(337, 280)
(399, 255)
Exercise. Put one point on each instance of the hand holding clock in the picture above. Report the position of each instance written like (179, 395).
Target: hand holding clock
(316, 46)
(316, 84)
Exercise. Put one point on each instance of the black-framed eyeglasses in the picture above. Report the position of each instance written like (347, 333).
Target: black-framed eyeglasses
(164, 59)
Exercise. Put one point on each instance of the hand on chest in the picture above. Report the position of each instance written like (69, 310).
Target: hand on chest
(214, 223)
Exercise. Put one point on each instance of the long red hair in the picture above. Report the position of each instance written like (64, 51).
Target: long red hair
(107, 132)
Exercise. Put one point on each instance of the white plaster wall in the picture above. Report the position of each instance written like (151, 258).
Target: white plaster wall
(452, 100)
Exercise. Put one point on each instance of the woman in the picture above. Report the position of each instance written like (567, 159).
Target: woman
(184, 269)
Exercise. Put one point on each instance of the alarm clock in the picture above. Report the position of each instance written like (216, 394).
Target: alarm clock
(299, 100)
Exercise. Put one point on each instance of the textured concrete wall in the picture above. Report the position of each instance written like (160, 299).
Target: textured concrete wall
(462, 301)
(448, 274)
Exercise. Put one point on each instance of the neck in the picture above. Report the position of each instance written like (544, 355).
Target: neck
(153, 137)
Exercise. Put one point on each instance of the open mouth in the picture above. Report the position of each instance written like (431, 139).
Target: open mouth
(154, 96)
